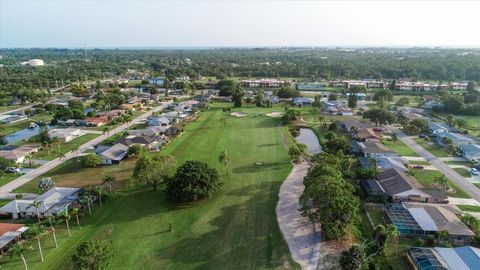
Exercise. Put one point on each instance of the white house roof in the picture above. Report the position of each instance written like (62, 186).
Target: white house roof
(116, 152)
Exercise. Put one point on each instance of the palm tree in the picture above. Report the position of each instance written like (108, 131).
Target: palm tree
(66, 216)
(38, 230)
(86, 199)
(75, 212)
(30, 158)
(99, 190)
(443, 236)
(224, 159)
(51, 221)
(109, 179)
(76, 149)
(393, 235)
(18, 249)
(37, 205)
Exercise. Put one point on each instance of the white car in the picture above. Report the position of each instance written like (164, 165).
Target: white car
(474, 171)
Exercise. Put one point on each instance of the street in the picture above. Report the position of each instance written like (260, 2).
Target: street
(6, 190)
(446, 170)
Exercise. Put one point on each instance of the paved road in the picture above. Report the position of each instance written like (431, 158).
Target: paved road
(6, 190)
(459, 180)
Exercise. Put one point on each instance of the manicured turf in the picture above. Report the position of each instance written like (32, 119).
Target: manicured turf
(463, 172)
(427, 177)
(469, 208)
(237, 229)
(399, 147)
(64, 147)
(432, 148)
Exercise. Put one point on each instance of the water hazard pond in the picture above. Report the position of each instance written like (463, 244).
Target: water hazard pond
(308, 137)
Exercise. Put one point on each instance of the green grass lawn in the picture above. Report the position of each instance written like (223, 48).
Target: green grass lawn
(237, 229)
(456, 162)
(63, 148)
(427, 177)
(7, 178)
(432, 148)
(463, 172)
(399, 147)
(469, 208)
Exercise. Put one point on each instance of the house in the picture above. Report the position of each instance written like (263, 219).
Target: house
(360, 96)
(302, 101)
(151, 143)
(350, 125)
(430, 104)
(368, 135)
(456, 138)
(422, 219)
(53, 202)
(334, 106)
(114, 154)
(158, 121)
(470, 151)
(131, 106)
(459, 258)
(311, 86)
(372, 150)
(400, 187)
(263, 83)
(435, 128)
(112, 114)
(392, 162)
(10, 233)
(20, 153)
(66, 134)
(97, 121)
(157, 81)
(274, 99)
(171, 116)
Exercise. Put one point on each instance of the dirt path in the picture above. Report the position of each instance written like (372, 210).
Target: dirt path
(300, 233)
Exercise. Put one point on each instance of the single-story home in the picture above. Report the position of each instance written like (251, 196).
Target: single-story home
(351, 125)
(114, 154)
(65, 134)
(97, 121)
(422, 219)
(368, 135)
(302, 101)
(10, 233)
(372, 150)
(456, 138)
(151, 143)
(435, 128)
(158, 121)
(442, 258)
(53, 202)
(20, 153)
(400, 187)
(470, 151)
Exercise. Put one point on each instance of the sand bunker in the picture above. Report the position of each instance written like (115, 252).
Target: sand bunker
(238, 114)
(275, 114)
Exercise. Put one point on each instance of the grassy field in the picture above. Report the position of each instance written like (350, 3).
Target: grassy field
(237, 229)
(63, 148)
(399, 147)
(463, 172)
(7, 178)
(427, 177)
(432, 148)
(469, 208)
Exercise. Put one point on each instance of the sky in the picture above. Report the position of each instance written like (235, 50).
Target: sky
(240, 23)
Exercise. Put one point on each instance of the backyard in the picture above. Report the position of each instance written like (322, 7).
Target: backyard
(237, 229)
(432, 147)
(399, 147)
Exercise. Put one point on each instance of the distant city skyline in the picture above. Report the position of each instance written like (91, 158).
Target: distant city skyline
(194, 24)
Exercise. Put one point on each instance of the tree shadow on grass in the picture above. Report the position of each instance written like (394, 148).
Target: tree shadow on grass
(245, 236)
(263, 166)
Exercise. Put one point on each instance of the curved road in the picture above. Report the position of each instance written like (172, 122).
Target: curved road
(6, 190)
(459, 180)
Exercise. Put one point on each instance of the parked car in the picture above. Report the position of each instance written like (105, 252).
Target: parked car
(418, 167)
(474, 171)
(12, 169)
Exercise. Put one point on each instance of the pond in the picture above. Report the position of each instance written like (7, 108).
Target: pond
(23, 134)
(308, 137)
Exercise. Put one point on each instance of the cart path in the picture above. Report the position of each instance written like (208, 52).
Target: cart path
(300, 233)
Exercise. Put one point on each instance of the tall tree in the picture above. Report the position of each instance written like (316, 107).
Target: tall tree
(154, 170)
(37, 230)
(224, 159)
(92, 255)
(66, 217)
(51, 220)
(18, 249)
